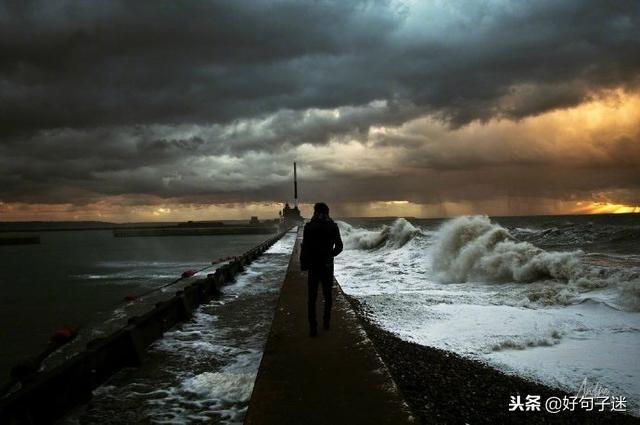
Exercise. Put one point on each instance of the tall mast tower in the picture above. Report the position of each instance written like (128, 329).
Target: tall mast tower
(295, 185)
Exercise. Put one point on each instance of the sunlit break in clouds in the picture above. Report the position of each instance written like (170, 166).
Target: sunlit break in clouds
(146, 111)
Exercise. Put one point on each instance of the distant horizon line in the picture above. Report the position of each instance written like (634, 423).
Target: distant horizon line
(336, 217)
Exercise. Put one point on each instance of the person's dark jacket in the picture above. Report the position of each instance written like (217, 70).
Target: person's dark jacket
(320, 243)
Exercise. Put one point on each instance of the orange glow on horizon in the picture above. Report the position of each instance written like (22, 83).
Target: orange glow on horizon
(605, 208)
(112, 211)
(599, 134)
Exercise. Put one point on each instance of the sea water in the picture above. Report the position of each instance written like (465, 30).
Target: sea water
(553, 299)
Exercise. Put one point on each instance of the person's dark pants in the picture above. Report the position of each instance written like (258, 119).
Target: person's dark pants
(317, 277)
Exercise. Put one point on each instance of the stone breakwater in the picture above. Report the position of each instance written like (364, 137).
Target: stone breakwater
(44, 396)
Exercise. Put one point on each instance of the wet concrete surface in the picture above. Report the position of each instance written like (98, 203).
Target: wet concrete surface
(335, 378)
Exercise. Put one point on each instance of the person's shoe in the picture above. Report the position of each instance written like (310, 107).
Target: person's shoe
(313, 332)
(325, 326)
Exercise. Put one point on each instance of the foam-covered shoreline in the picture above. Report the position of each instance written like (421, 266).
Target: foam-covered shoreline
(442, 387)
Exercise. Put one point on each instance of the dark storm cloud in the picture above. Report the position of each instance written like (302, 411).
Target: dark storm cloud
(97, 63)
(70, 64)
(176, 98)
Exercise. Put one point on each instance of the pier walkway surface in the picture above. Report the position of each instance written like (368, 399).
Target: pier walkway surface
(335, 378)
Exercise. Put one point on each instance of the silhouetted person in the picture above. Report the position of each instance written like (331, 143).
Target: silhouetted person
(320, 243)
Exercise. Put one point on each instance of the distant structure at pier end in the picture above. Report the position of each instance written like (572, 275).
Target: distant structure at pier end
(291, 216)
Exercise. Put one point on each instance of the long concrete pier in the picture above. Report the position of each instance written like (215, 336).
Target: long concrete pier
(335, 378)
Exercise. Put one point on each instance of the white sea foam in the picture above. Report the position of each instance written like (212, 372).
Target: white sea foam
(284, 245)
(127, 277)
(229, 387)
(395, 235)
(472, 248)
(631, 294)
(522, 342)
(233, 388)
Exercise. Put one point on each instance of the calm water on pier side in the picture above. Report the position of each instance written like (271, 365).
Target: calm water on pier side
(78, 276)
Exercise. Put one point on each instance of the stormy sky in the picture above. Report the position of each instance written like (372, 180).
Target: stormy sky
(147, 110)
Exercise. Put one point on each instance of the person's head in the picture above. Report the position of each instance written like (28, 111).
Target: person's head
(321, 210)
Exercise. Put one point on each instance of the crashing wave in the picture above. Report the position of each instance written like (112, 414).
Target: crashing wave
(472, 248)
(395, 235)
